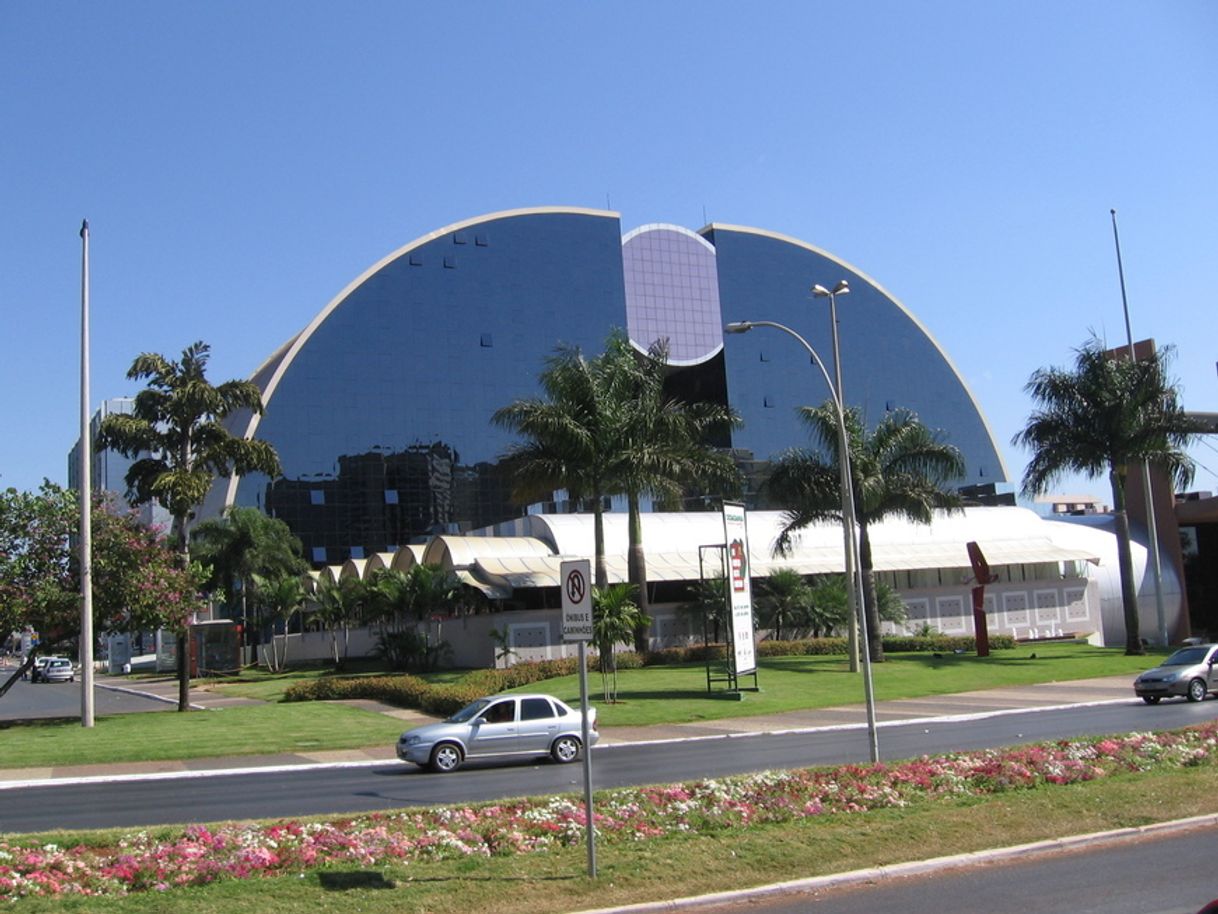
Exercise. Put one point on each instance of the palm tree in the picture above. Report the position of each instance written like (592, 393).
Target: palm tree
(280, 596)
(570, 437)
(338, 604)
(900, 469)
(177, 436)
(615, 618)
(662, 447)
(707, 606)
(606, 426)
(785, 600)
(830, 606)
(424, 592)
(241, 544)
(1099, 417)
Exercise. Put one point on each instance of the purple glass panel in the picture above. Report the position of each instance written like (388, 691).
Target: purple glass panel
(672, 292)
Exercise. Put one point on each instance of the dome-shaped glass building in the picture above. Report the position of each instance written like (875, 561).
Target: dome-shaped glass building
(380, 407)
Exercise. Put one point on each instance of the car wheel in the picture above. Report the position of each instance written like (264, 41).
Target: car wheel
(445, 757)
(565, 749)
(1151, 699)
(1196, 690)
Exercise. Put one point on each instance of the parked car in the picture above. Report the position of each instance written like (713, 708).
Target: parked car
(57, 669)
(1188, 672)
(499, 726)
(40, 664)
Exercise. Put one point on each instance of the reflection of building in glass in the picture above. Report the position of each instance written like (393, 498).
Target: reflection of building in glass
(380, 408)
(381, 500)
(108, 469)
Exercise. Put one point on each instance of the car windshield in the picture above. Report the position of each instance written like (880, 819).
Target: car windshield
(1186, 656)
(469, 712)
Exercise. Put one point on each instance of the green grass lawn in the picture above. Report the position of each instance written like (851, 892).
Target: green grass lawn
(647, 696)
(656, 695)
(256, 729)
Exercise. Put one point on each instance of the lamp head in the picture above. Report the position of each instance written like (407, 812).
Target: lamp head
(842, 288)
(738, 327)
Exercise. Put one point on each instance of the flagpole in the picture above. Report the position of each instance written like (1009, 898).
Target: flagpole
(1152, 526)
(85, 643)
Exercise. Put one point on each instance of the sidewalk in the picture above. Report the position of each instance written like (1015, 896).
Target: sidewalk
(964, 704)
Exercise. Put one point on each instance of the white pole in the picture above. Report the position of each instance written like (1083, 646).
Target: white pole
(849, 519)
(86, 497)
(1152, 526)
(589, 818)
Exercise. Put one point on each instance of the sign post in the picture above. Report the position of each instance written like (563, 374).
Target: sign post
(575, 582)
(740, 597)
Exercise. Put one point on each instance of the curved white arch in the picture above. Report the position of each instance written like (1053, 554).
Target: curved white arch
(408, 556)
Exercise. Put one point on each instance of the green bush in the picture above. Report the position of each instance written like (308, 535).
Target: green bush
(674, 656)
(895, 644)
(943, 643)
(807, 647)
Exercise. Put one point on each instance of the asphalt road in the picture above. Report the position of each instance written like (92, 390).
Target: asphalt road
(204, 797)
(1171, 873)
(45, 700)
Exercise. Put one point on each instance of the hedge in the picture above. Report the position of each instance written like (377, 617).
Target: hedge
(406, 691)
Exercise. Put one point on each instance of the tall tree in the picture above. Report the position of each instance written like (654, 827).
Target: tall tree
(570, 438)
(137, 581)
(1099, 417)
(177, 437)
(606, 426)
(900, 469)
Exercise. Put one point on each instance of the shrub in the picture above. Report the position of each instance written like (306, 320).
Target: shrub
(806, 647)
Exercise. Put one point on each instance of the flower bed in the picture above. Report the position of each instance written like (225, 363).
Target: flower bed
(241, 851)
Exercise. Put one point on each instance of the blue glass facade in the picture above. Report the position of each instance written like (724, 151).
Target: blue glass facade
(888, 360)
(380, 409)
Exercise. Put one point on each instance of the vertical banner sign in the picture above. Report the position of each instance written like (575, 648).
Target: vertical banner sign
(575, 582)
(739, 592)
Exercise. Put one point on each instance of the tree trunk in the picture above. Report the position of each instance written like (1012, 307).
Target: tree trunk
(184, 670)
(636, 563)
(179, 524)
(1129, 588)
(875, 638)
(598, 540)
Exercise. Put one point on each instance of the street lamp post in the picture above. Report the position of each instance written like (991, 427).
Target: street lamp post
(848, 518)
(843, 288)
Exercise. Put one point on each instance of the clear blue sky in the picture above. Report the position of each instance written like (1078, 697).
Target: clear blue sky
(240, 163)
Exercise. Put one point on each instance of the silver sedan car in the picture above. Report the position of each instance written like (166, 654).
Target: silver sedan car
(1188, 672)
(499, 726)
